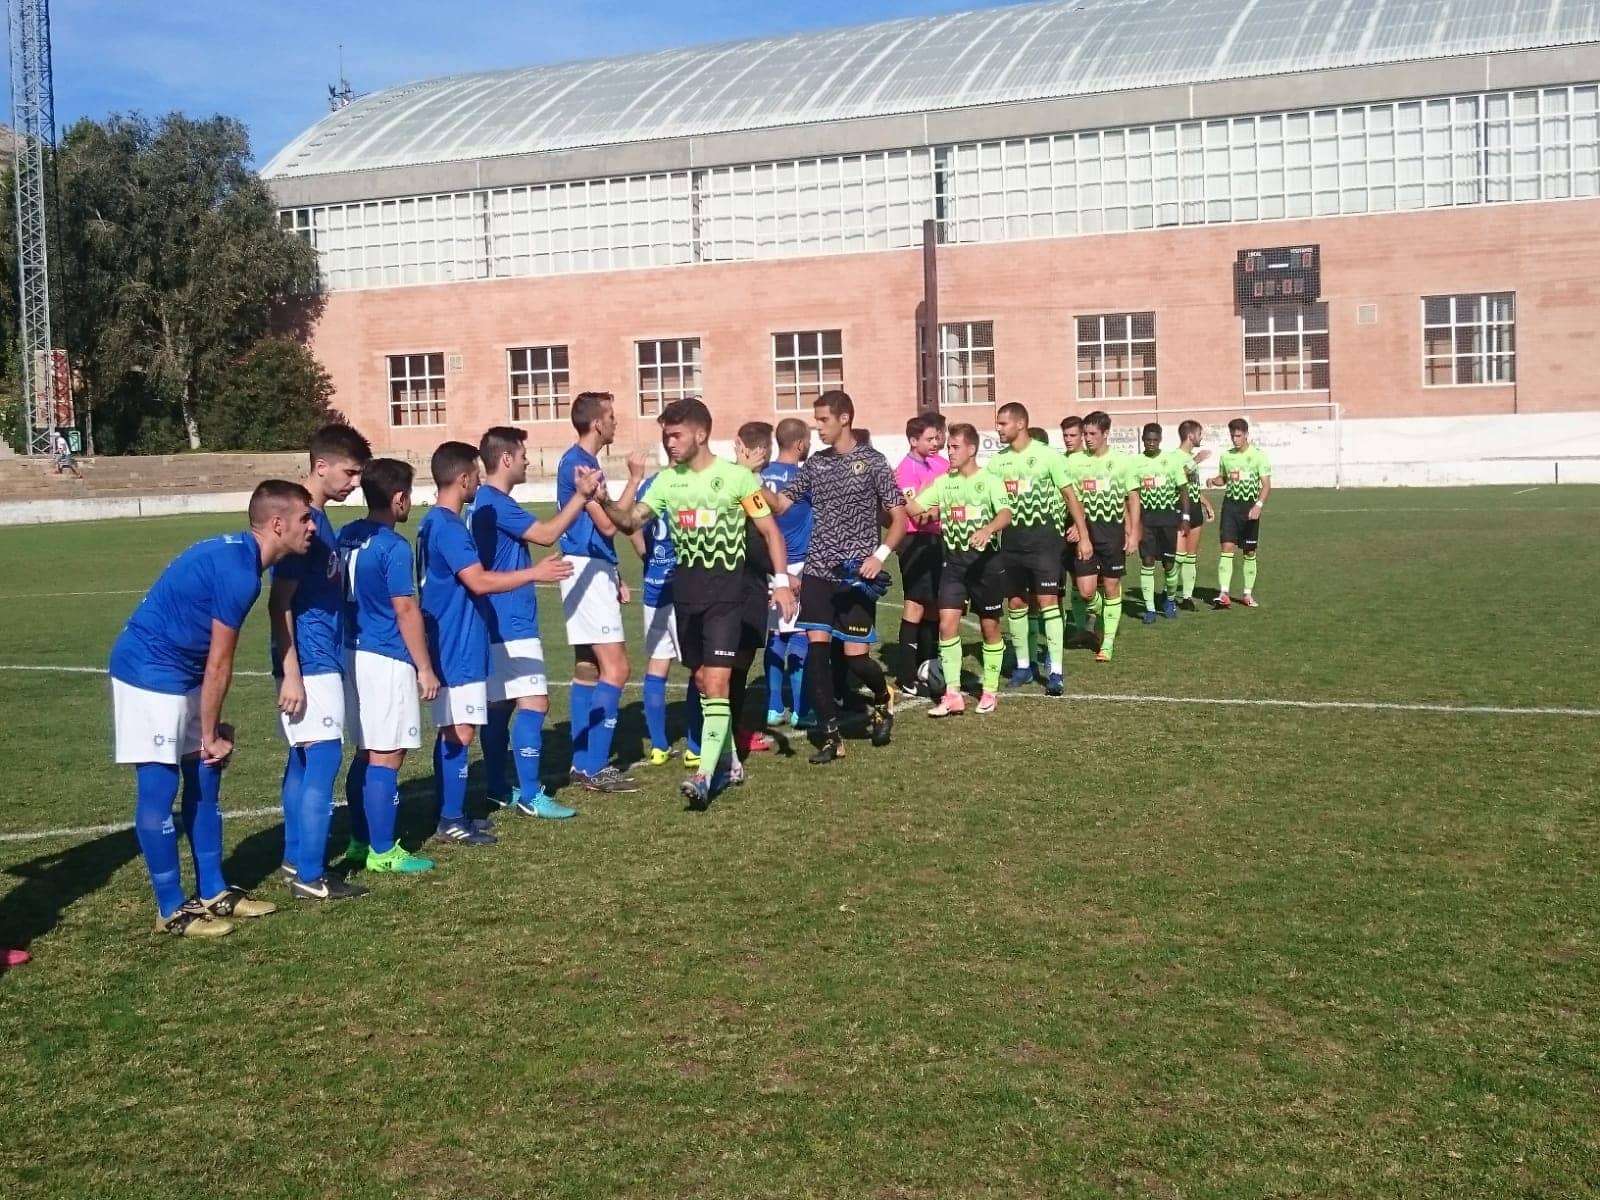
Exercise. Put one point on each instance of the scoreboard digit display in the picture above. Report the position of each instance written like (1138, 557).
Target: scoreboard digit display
(1277, 275)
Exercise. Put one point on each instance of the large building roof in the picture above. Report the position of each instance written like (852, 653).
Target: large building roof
(995, 55)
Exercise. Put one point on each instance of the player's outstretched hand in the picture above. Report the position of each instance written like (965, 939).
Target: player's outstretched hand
(292, 698)
(427, 683)
(638, 464)
(588, 481)
(552, 569)
(788, 606)
(216, 752)
(870, 569)
(980, 538)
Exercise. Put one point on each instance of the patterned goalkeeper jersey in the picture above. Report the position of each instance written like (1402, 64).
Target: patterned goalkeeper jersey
(848, 492)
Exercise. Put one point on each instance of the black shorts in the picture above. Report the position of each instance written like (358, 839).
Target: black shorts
(1109, 559)
(978, 579)
(1158, 536)
(1032, 562)
(753, 618)
(921, 559)
(1197, 515)
(846, 612)
(1237, 527)
(709, 636)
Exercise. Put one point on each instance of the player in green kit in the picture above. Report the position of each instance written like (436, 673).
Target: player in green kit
(973, 507)
(706, 501)
(1198, 511)
(1104, 502)
(1245, 477)
(1034, 476)
(1163, 510)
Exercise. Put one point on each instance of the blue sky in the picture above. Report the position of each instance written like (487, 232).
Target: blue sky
(268, 62)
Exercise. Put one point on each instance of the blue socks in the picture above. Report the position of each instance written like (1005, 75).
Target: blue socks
(158, 836)
(655, 710)
(449, 779)
(381, 805)
(795, 660)
(773, 660)
(602, 727)
(697, 720)
(496, 740)
(527, 745)
(355, 782)
(202, 822)
(294, 775)
(315, 809)
(582, 700)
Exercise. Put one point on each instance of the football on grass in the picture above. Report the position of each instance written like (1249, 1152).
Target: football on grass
(930, 674)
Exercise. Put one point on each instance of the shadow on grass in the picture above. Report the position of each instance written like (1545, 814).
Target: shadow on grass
(53, 882)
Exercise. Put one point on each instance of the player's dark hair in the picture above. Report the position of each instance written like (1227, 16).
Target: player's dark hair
(383, 479)
(1017, 412)
(838, 404)
(791, 431)
(1152, 427)
(339, 442)
(1238, 425)
(273, 496)
(1038, 434)
(1185, 428)
(863, 436)
(690, 411)
(964, 432)
(1098, 420)
(587, 407)
(921, 423)
(1073, 422)
(451, 461)
(753, 435)
(498, 441)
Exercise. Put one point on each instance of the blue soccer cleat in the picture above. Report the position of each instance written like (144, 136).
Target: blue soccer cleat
(1149, 616)
(697, 791)
(461, 833)
(1053, 686)
(1170, 609)
(1021, 677)
(543, 805)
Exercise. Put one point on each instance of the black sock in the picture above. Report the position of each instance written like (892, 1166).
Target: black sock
(910, 647)
(927, 641)
(865, 668)
(819, 686)
(836, 670)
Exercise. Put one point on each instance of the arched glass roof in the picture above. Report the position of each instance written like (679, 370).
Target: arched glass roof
(1020, 52)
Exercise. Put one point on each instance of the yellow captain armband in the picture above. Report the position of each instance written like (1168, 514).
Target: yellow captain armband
(755, 505)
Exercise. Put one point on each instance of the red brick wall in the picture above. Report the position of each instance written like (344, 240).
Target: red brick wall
(1547, 253)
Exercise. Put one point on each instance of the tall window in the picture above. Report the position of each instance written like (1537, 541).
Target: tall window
(1286, 348)
(668, 370)
(540, 385)
(804, 365)
(416, 389)
(966, 363)
(1117, 356)
(1469, 339)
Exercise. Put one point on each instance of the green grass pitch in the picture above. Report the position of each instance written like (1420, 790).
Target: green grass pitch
(1081, 948)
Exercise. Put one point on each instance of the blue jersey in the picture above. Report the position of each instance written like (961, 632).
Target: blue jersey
(498, 523)
(377, 562)
(458, 633)
(318, 604)
(660, 560)
(164, 646)
(581, 539)
(795, 525)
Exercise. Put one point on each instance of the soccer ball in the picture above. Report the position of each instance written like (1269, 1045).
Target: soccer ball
(930, 674)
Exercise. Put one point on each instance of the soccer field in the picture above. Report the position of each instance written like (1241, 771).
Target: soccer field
(1297, 901)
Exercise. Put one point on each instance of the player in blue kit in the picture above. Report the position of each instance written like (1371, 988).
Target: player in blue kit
(786, 643)
(503, 531)
(454, 583)
(306, 606)
(171, 668)
(387, 668)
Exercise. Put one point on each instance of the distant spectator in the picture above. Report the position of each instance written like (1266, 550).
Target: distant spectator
(61, 451)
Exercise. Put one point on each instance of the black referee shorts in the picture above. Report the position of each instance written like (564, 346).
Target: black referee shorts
(1236, 525)
(921, 559)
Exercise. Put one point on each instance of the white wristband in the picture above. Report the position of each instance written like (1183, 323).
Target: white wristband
(882, 554)
(781, 579)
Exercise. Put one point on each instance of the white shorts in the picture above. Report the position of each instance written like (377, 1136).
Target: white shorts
(775, 621)
(382, 711)
(516, 669)
(464, 704)
(660, 632)
(323, 719)
(590, 604)
(154, 727)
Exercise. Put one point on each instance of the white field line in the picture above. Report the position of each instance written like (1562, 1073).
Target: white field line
(1525, 492)
(1482, 511)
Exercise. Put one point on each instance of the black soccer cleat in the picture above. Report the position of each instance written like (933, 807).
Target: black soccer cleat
(831, 749)
(882, 723)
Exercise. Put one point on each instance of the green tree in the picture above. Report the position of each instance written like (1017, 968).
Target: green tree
(274, 398)
(175, 265)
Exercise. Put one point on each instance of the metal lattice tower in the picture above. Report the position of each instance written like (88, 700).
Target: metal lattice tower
(33, 114)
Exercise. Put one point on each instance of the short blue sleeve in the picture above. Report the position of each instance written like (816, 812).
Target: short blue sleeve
(566, 478)
(454, 546)
(232, 595)
(397, 568)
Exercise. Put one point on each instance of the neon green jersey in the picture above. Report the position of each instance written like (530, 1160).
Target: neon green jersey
(965, 504)
(1243, 472)
(1160, 477)
(705, 511)
(1103, 482)
(1033, 478)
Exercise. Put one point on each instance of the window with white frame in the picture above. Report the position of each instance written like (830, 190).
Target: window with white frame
(966, 363)
(1117, 356)
(1469, 339)
(540, 384)
(1285, 348)
(669, 369)
(416, 389)
(804, 365)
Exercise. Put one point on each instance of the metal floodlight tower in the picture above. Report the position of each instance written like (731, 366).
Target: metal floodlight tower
(33, 115)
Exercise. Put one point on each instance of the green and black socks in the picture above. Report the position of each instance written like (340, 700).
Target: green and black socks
(950, 660)
(1249, 574)
(718, 718)
(1017, 631)
(992, 658)
(1147, 585)
(1225, 573)
(1054, 636)
(1186, 573)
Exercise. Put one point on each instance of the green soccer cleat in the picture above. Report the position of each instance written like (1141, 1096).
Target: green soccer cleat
(691, 759)
(397, 860)
(356, 853)
(659, 758)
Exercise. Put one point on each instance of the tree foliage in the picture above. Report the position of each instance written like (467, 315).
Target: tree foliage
(274, 398)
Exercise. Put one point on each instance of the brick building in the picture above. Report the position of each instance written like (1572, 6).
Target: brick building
(746, 221)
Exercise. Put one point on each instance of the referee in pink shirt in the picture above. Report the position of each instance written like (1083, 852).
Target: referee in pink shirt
(922, 552)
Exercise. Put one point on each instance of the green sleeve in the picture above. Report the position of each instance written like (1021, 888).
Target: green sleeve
(1132, 476)
(1058, 469)
(656, 498)
(933, 493)
(1264, 467)
(998, 496)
